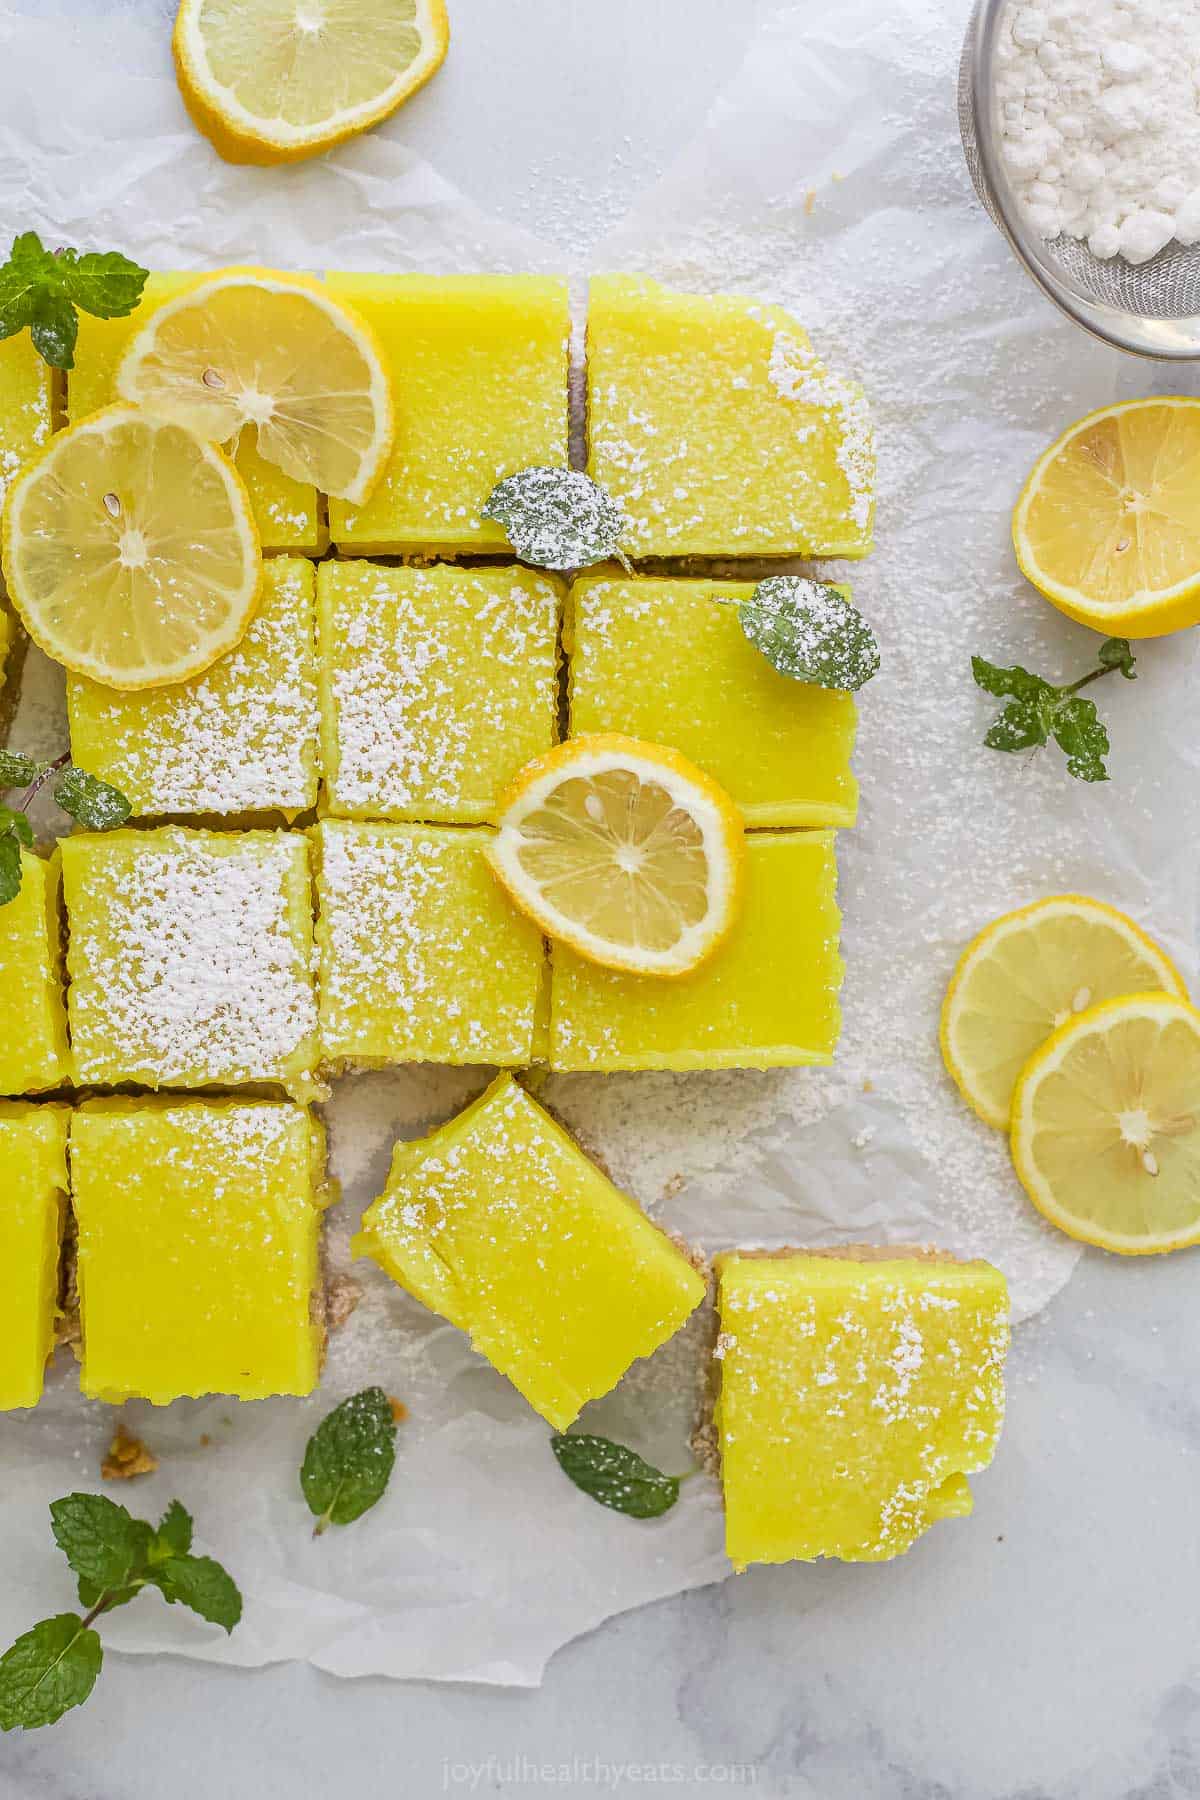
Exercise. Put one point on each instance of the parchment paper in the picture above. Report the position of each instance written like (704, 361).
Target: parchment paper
(828, 177)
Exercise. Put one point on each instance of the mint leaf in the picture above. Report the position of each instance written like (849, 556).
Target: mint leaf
(349, 1459)
(1079, 733)
(1116, 654)
(615, 1476)
(91, 1593)
(89, 800)
(10, 869)
(557, 518)
(174, 1535)
(15, 824)
(807, 630)
(101, 1541)
(47, 1671)
(1019, 727)
(202, 1584)
(43, 292)
(1015, 681)
(17, 770)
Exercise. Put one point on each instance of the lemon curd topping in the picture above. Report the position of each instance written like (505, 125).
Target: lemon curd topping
(498, 1222)
(858, 1391)
(33, 1042)
(714, 424)
(33, 1203)
(437, 685)
(198, 1227)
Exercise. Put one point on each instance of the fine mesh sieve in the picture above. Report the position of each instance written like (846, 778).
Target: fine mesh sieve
(1152, 309)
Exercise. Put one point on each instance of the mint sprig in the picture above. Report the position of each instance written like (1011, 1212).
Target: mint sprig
(44, 291)
(616, 1476)
(93, 803)
(1037, 710)
(349, 1459)
(53, 1667)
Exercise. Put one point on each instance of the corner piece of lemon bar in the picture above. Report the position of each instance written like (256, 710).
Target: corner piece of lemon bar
(857, 1391)
(33, 1205)
(501, 1224)
(33, 1044)
(198, 1265)
(715, 425)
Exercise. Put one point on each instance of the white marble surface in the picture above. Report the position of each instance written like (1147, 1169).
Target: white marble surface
(1046, 1650)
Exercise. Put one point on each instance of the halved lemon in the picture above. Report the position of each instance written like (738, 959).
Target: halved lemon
(131, 551)
(271, 81)
(1106, 1126)
(253, 348)
(1028, 973)
(623, 850)
(1108, 523)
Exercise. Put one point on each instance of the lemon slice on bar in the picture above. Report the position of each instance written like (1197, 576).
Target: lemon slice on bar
(252, 348)
(271, 81)
(1106, 1126)
(1027, 973)
(130, 550)
(1108, 524)
(625, 851)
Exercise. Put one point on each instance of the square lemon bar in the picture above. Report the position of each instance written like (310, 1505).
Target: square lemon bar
(478, 367)
(498, 1222)
(26, 405)
(190, 959)
(422, 957)
(288, 512)
(437, 685)
(780, 748)
(768, 998)
(239, 741)
(33, 1205)
(713, 423)
(858, 1390)
(198, 1260)
(33, 1041)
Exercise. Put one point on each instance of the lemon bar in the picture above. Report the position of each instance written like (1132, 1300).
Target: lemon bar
(437, 685)
(26, 405)
(198, 1264)
(239, 741)
(478, 366)
(780, 748)
(858, 1390)
(714, 425)
(33, 1203)
(190, 958)
(33, 1040)
(288, 512)
(422, 957)
(498, 1222)
(768, 998)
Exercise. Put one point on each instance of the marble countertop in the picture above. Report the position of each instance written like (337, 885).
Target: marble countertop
(1045, 1650)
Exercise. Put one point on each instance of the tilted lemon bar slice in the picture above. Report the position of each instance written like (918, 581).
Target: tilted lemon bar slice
(198, 1264)
(33, 1043)
(287, 511)
(190, 959)
(33, 1204)
(715, 426)
(478, 365)
(437, 685)
(780, 748)
(858, 1390)
(239, 742)
(498, 1222)
(26, 405)
(768, 997)
(422, 956)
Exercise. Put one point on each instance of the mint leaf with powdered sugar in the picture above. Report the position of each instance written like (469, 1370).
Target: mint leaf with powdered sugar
(1038, 710)
(557, 518)
(810, 632)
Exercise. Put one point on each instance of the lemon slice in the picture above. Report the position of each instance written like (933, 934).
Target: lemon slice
(1106, 1125)
(130, 550)
(270, 81)
(1108, 524)
(1028, 973)
(623, 850)
(275, 352)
